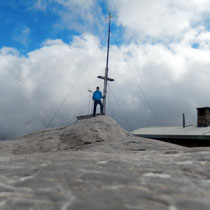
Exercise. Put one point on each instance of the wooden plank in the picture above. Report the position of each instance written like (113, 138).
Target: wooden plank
(82, 117)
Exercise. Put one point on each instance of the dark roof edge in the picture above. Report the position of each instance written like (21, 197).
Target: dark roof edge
(153, 136)
(205, 107)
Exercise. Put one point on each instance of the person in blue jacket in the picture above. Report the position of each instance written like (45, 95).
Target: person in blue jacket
(97, 95)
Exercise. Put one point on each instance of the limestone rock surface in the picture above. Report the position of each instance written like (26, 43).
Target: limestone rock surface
(95, 164)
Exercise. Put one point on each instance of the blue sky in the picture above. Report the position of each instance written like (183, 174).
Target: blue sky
(27, 24)
(49, 48)
(25, 27)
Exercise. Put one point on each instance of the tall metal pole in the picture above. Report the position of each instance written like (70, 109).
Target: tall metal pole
(107, 68)
(183, 120)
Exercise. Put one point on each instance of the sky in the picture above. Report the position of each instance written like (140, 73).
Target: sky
(51, 52)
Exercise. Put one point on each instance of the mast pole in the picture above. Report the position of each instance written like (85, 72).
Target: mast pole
(107, 68)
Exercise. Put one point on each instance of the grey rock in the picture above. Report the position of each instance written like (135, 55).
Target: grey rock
(95, 164)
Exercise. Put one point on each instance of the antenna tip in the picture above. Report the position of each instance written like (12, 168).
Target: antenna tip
(110, 16)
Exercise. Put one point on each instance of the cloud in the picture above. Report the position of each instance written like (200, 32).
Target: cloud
(33, 87)
(161, 72)
(170, 80)
(159, 20)
(82, 16)
(21, 35)
(40, 5)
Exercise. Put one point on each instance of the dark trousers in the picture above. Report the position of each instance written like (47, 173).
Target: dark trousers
(96, 102)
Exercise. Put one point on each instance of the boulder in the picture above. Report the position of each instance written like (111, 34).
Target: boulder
(95, 134)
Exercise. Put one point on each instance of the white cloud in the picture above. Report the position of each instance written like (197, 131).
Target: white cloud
(174, 80)
(83, 16)
(50, 42)
(33, 87)
(160, 60)
(83, 5)
(8, 51)
(21, 34)
(163, 20)
(40, 5)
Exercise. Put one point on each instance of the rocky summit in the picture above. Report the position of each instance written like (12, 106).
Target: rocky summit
(95, 164)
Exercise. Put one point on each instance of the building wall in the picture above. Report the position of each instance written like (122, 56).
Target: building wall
(203, 117)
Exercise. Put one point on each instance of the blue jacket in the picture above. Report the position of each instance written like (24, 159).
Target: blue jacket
(97, 95)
